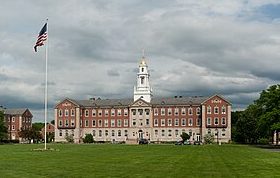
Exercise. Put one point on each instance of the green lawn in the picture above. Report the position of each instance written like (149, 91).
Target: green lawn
(72, 160)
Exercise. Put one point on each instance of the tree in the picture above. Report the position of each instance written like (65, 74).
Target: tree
(184, 136)
(88, 138)
(260, 119)
(30, 134)
(52, 122)
(38, 126)
(3, 128)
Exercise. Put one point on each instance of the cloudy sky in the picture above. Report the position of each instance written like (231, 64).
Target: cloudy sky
(192, 48)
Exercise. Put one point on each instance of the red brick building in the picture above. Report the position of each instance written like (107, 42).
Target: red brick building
(155, 118)
(17, 119)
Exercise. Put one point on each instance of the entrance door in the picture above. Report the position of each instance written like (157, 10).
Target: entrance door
(140, 134)
(197, 137)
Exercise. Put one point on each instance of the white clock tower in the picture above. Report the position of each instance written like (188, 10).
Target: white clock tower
(143, 89)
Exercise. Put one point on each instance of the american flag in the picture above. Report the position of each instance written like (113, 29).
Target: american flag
(42, 37)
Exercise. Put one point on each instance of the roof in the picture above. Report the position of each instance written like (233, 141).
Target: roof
(180, 100)
(18, 111)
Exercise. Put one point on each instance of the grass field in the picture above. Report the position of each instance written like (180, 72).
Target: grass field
(71, 160)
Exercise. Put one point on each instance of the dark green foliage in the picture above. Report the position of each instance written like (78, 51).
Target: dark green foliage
(185, 136)
(88, 139)
(3, 128)
(260, 120)
(38, 126)
(30, 134)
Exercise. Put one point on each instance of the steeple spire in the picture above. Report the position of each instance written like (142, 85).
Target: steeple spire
(142, 88)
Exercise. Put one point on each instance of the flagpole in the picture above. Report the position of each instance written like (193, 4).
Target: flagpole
(46, 88)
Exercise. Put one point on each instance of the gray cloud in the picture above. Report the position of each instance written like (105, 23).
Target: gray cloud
(192, 48)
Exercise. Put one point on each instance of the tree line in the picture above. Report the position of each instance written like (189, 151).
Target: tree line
(260, 120)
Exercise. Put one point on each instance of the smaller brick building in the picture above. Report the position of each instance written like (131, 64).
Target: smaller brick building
(17, 119)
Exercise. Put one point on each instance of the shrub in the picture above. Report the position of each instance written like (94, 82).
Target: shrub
(88, 139)
(69, 138)
(209, 138)
(263, 141)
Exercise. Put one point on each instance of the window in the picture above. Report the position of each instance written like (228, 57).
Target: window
(13, 119)
(66, 123)
(176, 122)
(162, 111)
(162, 133)
(93, 133)
(125, 133)
(99, 123)
(112, 112)
(190, 121)
(209, 110)
(119, 133)
(169, 133)
(140, 111)
(190, 111)
(176, 111)
(119, 112)
(13, 127)
(106, 123)
(100, 133)
(147, 122)
(113, 133)
(72, 123)
(183, 111)
(223, 121)
(183, 122)
(223, 110)
(126, 122)
(86, 113)
(106, 133)
(197, 111)
(162, 122)
(216, 122)
(156, 122)
(156, 132)
(60, 113)
(72, 112)
(86, 123)
(99, 113)
(93, 123)
(147, 111)
(60, 133)
(169, 111)
(142, 80)
(216, 110)
(223, 132)
(60, 123)
(198, 121)
(93, 113)
(125, 112)
(106, 113)
(66, 112)
(134, 122)
(113, 123)
(156, 111)
(176, 133)
(119, 123)
(133, 112)
(66, 133)
(209, 121)
(169, 122)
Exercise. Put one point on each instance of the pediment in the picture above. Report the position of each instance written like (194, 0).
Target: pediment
(140, 103)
